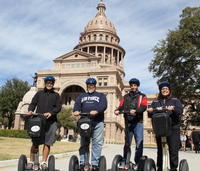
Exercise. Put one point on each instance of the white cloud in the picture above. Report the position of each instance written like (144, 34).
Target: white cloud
(33, 33)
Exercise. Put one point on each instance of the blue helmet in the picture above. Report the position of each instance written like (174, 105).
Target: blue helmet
(49, 78)
(134, 81)
(164, 84)
(91, 81)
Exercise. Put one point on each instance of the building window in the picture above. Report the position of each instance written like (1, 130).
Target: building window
(103, 81)
(95, 37)
(106, 37)
(100, 81)
(100, 37)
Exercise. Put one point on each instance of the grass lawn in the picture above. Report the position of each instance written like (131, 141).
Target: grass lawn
(12, 148)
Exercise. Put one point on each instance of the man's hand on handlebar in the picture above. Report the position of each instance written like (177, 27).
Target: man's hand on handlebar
(30, 112)
(76, 113)
(47, 115)
(93, 112)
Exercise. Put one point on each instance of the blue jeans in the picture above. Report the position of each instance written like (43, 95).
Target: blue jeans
(133, 129)
(97, 142)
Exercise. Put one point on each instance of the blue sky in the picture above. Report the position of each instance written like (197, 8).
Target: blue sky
(34, 32)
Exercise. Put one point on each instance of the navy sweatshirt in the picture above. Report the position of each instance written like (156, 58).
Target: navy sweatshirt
(174, 114)
(87, 102)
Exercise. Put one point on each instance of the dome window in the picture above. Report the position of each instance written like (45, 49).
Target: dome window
(100, 37)
(95, 37)
(106, 37)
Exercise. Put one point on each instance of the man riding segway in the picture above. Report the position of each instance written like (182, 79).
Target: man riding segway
(94, 104)
(46, 102)
(133, 105)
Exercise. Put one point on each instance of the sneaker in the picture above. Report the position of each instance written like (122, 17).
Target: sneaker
(134, 166)
(29, 165)
(81, 167)
(44, 165)
(126, 166)
(86, 167)
(95, 168)
(36, 167)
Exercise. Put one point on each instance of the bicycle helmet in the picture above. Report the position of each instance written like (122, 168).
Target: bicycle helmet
(164, 84)
(91, 81)
(134, 81)
(49, 78)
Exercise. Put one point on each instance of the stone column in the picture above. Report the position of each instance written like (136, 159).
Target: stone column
(107, 133)
(112, 60)
(118, 57)
(17, 121)
(104, 53)
(95, 50)
(122, 135)
(113, 132)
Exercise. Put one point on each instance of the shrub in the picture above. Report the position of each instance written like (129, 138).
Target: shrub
(14, 133)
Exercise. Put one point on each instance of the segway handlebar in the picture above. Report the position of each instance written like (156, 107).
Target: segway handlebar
(37, 114)
(125, 111)
(85, 114)
(160, 109)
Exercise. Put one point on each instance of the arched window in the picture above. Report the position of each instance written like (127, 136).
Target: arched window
(106, 58)
(111, 39)
(101, 37)
(95, 37)
(89, 37)
(106, 37)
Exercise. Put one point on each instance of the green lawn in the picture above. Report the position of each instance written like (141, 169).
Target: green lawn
(12, 148)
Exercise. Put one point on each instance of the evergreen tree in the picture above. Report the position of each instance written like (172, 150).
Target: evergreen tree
(10, 95)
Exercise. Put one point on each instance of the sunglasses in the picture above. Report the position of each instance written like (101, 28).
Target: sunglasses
(49, 82)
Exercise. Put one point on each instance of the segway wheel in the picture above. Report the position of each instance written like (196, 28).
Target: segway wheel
(73, 163)
(22, 163)
(115, 162)
(183, 166)
(141, 163)
(51, 163)
(102, 163)
(149, 165)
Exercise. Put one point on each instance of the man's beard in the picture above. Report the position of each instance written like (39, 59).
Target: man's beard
(91, 90)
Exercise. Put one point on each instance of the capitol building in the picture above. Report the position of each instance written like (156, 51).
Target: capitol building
(98, 54)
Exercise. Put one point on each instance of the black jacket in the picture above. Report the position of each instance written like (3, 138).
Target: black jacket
(174, 114)
(136, 101)
(46, 101)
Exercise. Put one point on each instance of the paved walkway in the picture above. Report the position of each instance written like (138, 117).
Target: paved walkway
(109, 150)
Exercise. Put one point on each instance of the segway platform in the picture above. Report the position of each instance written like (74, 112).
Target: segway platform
(36, 130)
(145, 164)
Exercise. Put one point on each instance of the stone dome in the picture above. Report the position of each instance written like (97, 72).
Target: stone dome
(100, 22)
(29, 95)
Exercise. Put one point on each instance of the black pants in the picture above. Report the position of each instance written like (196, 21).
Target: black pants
(173, 142)
(196, 147)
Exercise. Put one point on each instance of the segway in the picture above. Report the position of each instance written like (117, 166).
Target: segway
(161, 123)
(144, 164)
(84, 125)
(36, 130)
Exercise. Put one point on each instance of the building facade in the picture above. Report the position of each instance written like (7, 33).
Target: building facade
(99, 55)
